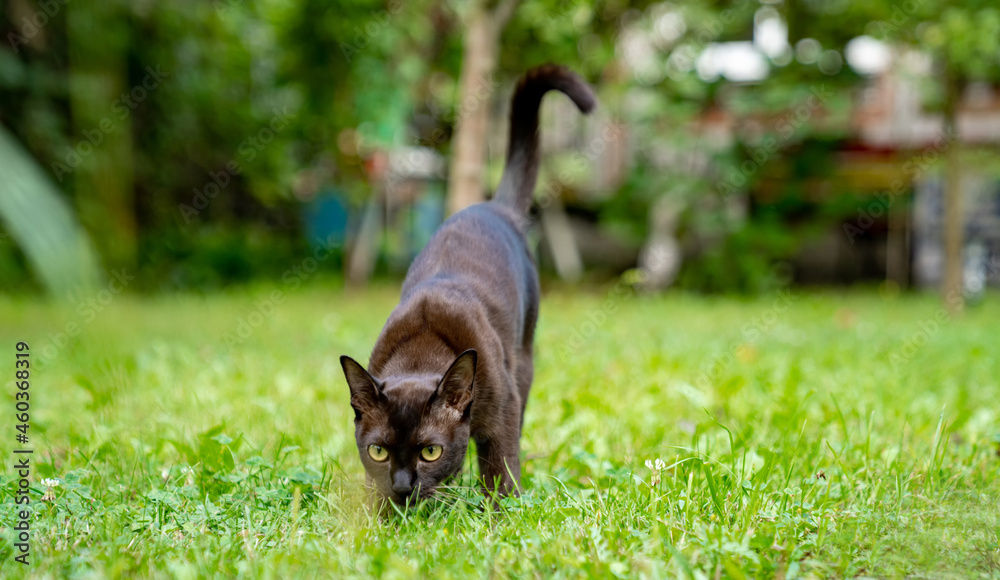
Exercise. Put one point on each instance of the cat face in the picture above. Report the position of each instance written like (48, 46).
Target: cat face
(412, 431)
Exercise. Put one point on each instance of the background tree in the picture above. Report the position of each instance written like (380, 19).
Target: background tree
(483, 22)
(366, 76)
(962, 38)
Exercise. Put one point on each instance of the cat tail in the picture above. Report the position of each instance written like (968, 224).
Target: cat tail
(517, 185)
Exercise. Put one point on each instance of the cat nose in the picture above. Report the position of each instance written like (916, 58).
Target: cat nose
(402, 483)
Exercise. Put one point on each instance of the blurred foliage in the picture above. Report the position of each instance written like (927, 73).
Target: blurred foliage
(252, 96)
(211, 258)
(42, 224)
(749, 260)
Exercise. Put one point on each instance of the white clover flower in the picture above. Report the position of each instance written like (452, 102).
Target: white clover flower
(50, 482)
(656, 467)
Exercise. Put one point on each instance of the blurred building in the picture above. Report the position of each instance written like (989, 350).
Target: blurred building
(890, 156)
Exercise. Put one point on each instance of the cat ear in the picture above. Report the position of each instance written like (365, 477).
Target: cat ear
(364, 387)
(455, 388)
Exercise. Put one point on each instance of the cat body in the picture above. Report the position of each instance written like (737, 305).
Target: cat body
(454, 360)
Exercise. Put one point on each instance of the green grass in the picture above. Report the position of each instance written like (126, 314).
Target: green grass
(835, 438)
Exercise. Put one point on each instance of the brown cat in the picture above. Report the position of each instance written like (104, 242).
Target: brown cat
(454, 360)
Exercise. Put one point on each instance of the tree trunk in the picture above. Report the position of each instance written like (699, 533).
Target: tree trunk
(562, 243)
(954, 218)
(100, 161)
(468, 152)
(897, 249)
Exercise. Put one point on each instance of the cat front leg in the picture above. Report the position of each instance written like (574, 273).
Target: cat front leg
(499, 465)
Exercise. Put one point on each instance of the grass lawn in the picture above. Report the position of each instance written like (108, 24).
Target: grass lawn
(803, 435)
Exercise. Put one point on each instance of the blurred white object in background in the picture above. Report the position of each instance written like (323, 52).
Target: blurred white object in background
(975, 272)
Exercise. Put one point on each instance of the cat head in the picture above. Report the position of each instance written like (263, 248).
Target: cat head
(411, 431)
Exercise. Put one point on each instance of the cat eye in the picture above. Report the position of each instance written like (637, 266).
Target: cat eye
(431, 453)
(378, 453)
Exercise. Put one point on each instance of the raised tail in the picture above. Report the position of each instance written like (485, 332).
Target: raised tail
(519, 176)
